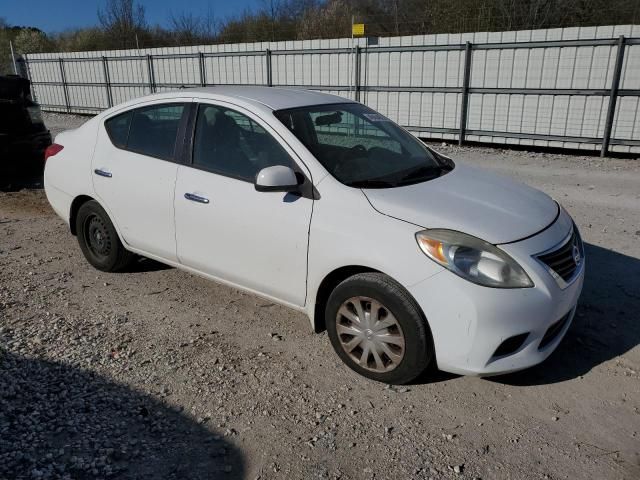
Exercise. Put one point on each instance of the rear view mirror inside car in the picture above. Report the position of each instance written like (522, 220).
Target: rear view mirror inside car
(330, 119)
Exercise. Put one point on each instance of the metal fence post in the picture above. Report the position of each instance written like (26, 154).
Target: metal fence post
(13, 58)
(203, 74)
(64, 85)
(27, 72)
(25, 62)
(464, 110)
(267, 54)
(613, 97)
(152, 82)
(20, 67)
(107, 81)
(356, 72)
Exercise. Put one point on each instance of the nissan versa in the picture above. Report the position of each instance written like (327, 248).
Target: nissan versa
(404, 256)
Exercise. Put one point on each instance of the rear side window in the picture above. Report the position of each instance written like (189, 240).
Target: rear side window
(148, 131)
(118, 129)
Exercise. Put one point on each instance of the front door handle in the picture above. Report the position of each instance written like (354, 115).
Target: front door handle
(102, 173)
(196, 198)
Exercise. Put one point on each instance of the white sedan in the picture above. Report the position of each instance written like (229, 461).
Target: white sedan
(404, 256)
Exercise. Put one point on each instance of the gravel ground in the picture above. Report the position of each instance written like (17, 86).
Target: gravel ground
(155, 373)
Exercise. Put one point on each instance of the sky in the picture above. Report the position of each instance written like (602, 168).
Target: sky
(58, 15)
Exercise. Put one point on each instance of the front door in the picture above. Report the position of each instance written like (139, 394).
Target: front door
(227, 229)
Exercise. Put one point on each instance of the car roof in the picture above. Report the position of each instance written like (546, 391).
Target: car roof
(274, 98)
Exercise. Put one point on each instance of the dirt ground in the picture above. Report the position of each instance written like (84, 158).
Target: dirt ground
(156, 373)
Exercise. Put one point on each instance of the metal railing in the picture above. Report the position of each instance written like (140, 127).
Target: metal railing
(151, 80)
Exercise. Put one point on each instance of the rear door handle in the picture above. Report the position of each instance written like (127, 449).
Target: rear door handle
(102, 173)
(196, 198)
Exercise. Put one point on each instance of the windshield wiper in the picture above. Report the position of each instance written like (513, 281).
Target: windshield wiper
(423, 172)
(371, 184)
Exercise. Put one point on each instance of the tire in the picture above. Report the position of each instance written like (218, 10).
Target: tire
(99, 240)
(404, 348)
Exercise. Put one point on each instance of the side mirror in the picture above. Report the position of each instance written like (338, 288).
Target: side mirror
(277, 178)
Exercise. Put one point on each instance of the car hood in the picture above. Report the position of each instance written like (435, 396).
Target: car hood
(470, 200)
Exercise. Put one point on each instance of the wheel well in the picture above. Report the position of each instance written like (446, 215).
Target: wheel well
(75, 206)
(329, 283)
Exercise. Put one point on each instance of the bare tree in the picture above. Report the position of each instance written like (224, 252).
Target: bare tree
(515, 14)
(272, 7)
(30, 40)
(186, 28)
(5, 52)
(122, 20)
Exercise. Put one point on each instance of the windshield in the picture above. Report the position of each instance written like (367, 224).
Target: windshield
(362, 148)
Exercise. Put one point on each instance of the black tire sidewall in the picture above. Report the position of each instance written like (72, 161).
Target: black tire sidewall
(418, 343)
(110, 262)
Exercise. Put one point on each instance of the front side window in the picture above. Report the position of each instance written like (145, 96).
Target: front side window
(231, 144)
(148, 131)
(362, 148)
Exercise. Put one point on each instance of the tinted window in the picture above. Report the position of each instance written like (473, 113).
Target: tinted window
(118, 129)
(230, 143)
(154, 130)
(361, 147)
(149, 131)
(349, 130)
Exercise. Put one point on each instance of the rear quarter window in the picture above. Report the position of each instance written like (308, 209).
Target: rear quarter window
(118, 129)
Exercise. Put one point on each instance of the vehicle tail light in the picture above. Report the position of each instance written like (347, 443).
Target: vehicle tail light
(52, 150)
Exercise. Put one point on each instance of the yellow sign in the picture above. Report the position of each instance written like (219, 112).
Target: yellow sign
(357, 29)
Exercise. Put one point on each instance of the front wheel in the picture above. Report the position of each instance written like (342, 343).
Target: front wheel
(377, 329)
(99, 240)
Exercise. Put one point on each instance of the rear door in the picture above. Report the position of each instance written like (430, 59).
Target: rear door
(134, 174)
(227, 229)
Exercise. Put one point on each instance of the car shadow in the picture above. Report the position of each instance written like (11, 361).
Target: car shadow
(432, 376)
(605, 326)
(60, 421)
(16, 181)
(143, 265)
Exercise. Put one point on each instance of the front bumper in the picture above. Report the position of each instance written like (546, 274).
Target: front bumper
(470, 322)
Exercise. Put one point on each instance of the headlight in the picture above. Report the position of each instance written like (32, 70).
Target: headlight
(473, 259)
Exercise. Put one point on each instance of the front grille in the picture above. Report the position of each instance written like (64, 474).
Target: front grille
(553, 331)
(566, 259)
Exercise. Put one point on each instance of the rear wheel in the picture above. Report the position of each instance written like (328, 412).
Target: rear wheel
(377, 329)
(99, 240)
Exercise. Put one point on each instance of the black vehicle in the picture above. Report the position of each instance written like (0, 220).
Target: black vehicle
(23, 135)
